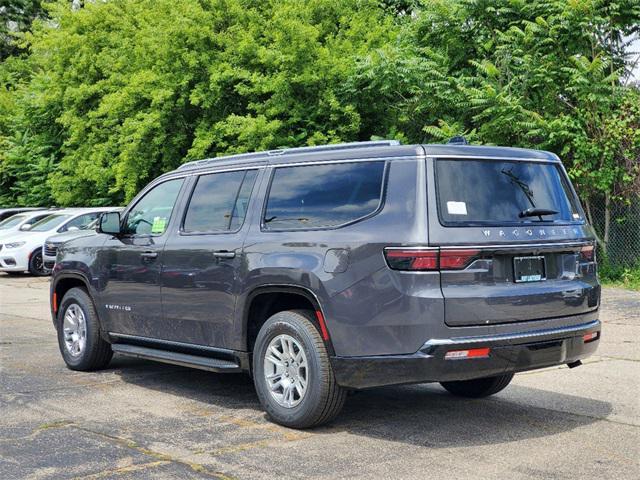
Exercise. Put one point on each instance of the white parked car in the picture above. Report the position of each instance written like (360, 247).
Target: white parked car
(21, 251)
(21, 222)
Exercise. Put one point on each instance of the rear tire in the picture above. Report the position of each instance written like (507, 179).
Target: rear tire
(277, 371)
(478, 388)
(36, 264)
(79, 339)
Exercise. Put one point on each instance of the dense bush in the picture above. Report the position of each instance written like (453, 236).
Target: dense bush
(97, 98)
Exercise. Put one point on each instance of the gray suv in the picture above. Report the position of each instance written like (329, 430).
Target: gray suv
(326, 269)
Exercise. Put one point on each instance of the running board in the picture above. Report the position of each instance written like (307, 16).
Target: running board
(175, 358)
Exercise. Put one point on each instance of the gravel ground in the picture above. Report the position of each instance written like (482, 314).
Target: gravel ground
(143, 420)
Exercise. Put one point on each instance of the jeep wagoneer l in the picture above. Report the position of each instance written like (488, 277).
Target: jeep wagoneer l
(323, 269)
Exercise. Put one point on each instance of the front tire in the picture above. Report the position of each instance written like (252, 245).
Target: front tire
(36, 264)
(479, 387)
(292, 372)
(79, 339)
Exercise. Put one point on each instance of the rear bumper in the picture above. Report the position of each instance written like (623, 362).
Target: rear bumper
(509, 353)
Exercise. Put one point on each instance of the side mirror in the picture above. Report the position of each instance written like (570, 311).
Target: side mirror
(26, 227)
(109, 223)
(72, 229)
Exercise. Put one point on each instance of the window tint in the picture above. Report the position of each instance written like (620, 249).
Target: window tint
(49, 223)
(323, 195)
(490, 192)
(81, 222)
(35, 219)
(11, 221)
(219, 201)
(150, 216)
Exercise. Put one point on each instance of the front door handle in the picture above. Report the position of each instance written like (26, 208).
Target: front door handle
(224, 254)
(149, 254)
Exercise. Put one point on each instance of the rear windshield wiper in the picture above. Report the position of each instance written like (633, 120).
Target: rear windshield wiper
(537, 212)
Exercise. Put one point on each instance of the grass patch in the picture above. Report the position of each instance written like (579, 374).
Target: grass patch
(620, 276)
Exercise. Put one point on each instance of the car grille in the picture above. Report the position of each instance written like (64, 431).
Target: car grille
(50, 250)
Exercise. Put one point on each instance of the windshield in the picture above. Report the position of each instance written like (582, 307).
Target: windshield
(11, 221)
(49, 223)
(502, 192)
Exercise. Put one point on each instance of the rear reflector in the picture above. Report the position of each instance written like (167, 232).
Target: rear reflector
(462, 354)
(323, 326)
(590, 337)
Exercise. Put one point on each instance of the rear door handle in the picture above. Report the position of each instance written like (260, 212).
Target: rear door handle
(149, 254)
(224, 254)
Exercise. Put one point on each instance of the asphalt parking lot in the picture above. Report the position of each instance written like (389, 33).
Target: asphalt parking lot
(143, 420)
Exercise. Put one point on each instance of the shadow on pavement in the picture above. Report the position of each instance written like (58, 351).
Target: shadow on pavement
(423, 415)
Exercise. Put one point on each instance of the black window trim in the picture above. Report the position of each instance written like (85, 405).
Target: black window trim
(563, 178)
(381, 202)
(183, 233)
(141, 195)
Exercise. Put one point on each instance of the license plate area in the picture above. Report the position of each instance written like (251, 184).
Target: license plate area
(529, 269)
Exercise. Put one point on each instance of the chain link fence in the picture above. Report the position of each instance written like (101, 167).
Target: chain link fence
(620, 242)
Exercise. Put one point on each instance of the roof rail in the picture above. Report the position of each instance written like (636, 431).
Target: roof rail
(284, 151)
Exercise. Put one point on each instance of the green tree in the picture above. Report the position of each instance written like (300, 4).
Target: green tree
(16, 16)
(122, 91)
(539, 73)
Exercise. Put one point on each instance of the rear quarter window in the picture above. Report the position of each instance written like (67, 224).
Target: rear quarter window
(323, 196)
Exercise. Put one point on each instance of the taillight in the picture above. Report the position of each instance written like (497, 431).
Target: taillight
(412, 259)
(588, 253)
(456, 259)
(423, 259)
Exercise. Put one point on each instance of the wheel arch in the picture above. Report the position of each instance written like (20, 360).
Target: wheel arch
(61, 284)
(265, 301)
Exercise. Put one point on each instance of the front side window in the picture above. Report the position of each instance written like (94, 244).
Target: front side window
(150, 216)
(49, 223)
(499, 192)
(319, 196)
(219, 202)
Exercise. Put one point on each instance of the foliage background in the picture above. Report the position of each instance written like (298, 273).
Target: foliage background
(99, 97)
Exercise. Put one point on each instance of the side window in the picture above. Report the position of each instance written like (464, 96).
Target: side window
(80, 222)
(323, 195)
(219, 201)
(35, 220)
(150, 216)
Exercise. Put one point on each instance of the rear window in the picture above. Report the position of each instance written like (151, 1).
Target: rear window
(490, 192)
(318, 196)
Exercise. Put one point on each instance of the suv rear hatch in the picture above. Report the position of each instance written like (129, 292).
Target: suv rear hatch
(512, 241)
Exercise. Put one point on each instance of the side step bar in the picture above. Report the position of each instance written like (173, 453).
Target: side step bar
(175, 358)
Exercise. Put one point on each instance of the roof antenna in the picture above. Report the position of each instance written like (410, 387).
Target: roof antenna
(458, 140)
